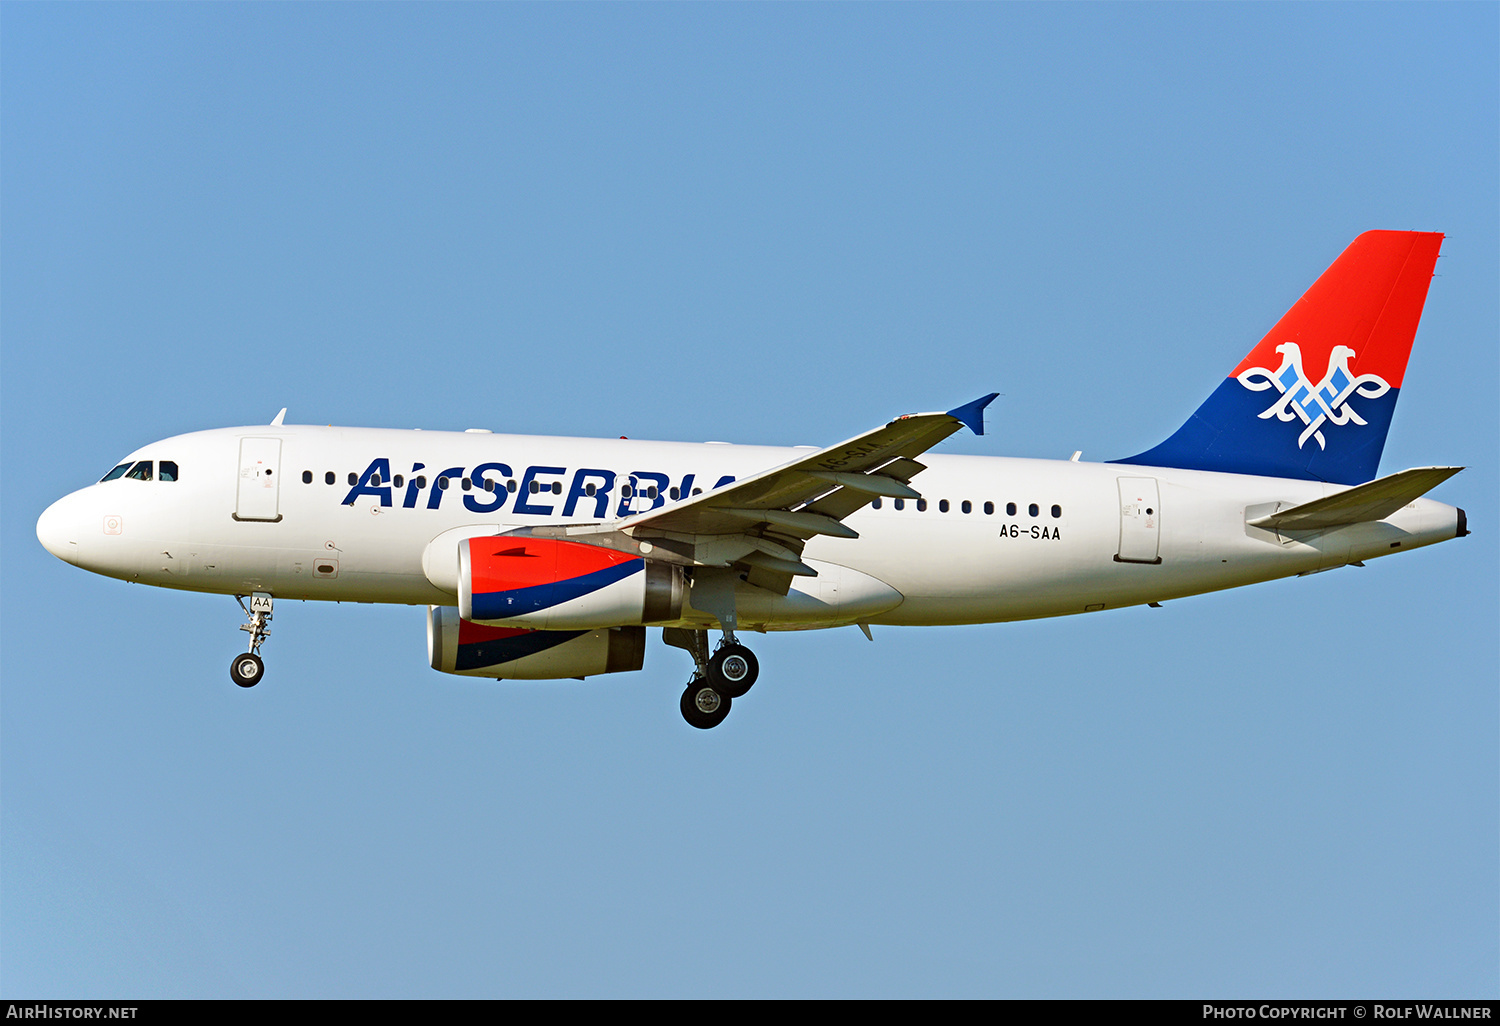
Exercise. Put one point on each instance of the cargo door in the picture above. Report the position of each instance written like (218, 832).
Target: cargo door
(258, 495)
(1140, 521)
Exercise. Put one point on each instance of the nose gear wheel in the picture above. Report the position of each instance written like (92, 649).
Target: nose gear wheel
(246, 669)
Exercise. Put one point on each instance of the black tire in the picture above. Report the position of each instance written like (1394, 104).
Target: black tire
(246, 669)
(733, 670)
(700, 693)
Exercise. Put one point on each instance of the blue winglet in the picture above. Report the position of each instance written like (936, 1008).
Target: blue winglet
(972, 414)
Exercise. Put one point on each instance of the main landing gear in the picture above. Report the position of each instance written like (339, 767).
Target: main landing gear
(734, 668)
(247, 668)
(717, 680)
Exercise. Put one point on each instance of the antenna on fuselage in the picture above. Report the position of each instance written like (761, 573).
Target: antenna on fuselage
(279, 418)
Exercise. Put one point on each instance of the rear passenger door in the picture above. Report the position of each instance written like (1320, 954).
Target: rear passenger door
(1140, 521)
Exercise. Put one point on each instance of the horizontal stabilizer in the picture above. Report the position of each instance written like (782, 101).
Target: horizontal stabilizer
(1374, 500)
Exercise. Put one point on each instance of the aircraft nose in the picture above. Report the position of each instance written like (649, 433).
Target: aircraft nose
(57, 530)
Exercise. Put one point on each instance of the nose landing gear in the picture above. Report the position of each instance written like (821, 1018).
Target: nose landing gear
(247, 668)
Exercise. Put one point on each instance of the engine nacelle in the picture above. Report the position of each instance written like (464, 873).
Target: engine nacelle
(552, 584)
(455, 645)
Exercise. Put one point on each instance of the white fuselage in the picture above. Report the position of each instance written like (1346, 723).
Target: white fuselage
(227, 526)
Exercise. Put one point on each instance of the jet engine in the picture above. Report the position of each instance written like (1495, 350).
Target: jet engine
(552, 584)
(456, 645)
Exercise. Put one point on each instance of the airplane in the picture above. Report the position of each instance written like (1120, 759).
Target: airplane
(543, 558)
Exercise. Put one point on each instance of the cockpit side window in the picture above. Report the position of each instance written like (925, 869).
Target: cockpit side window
(140, 472)
(167, 471)
(117, 472)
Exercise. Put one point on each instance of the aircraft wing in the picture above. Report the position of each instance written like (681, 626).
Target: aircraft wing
(763, 521)
(827, 485)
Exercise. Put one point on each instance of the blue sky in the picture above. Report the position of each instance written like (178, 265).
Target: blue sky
(757, 223)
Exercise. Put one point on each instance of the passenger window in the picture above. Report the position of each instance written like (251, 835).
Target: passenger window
(1033, 509)
(943, 506)
(166, 471)
(921, 505)
(328, 478)
(875, 503)
(398, 481)
(967, 507)
(557, 489)
(421, 481)
(141, 471)
(307, 477)
(899, 503)
(1010, 509)
(1056, 512)
(465, 484)
(989, 509)
(117, 472)
(353, 478)
(443, 483)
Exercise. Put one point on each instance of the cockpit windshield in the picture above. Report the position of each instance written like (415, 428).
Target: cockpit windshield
(140, 470)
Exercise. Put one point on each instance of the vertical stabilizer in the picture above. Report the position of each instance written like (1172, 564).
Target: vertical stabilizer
(1314, 399)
